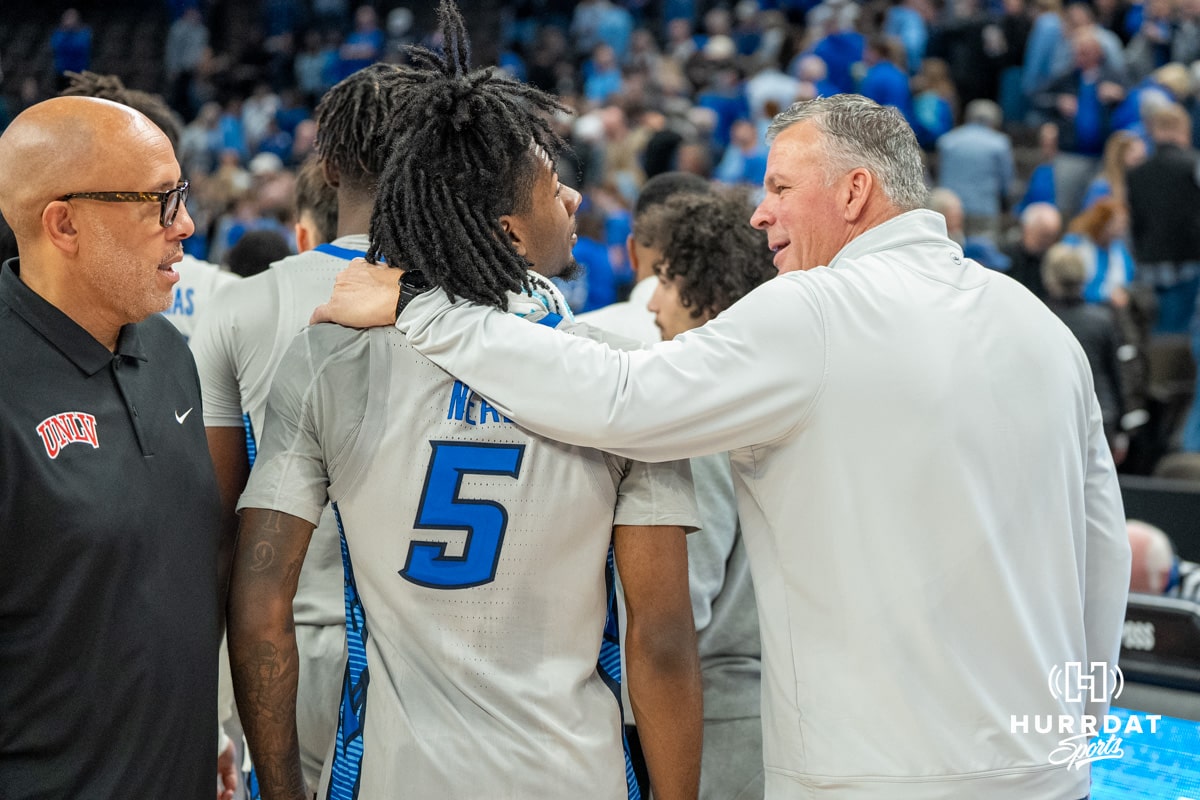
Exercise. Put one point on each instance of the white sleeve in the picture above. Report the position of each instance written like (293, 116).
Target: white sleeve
(748, 377)
(656, 495)
(1106, 554)
(290, 474)
(212, 345)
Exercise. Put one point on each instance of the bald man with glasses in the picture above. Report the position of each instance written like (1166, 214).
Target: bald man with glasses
(108, 505)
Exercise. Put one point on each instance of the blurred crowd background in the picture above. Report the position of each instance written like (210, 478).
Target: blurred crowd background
(1055, 135)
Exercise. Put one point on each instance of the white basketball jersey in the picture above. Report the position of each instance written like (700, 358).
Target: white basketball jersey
(198, 282)
(238, 344)
(477, 593)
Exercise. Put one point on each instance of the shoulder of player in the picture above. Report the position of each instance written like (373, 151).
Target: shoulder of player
(327, 342)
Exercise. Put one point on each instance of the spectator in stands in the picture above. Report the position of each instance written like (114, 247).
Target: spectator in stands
(200, 141)
(72, 46)
(722, 92)
(836, 41)
(1151, 47)
(363, 46)
(1064, 274)
(631, 318)
(304, 141)
(1079, 16)
(613, 26)
(187, 39)
(602, 75)
(1099, 237)
(644, 54)
(975, 160)
(769, 90)
(1080, 103)
(681, 43)
(258, 111)
(886, 79)
(958, 40)
(1122, 152)
(1045, 40)
(935, 102)
(232, 130)
(1156, 569)
(315, 65)
(1185, 46)
(1040, 227)
(1165, 228)
(745, 160)
(907, 21)
(1171, 83)
(1005, 41)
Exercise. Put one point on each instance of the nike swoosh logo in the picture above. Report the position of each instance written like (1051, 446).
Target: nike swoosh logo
(181, 417)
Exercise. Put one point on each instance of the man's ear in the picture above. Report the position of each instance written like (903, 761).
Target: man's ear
(512, 227)
(332, 176)
(860, 184)
(58, 223)
(304, 241)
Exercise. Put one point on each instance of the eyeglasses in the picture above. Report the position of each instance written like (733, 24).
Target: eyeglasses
(169, 201)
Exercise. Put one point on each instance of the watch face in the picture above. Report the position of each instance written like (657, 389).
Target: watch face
(415, 281)
(412, 283)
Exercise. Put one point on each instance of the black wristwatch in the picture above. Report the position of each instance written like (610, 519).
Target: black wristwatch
(412, 283)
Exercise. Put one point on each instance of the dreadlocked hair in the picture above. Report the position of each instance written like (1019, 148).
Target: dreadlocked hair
(467, 148)
(354, 121)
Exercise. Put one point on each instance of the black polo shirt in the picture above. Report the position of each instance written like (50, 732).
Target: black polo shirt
(108, 541)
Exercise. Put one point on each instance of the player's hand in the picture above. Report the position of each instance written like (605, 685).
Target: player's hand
(227, 774)
(364, 296)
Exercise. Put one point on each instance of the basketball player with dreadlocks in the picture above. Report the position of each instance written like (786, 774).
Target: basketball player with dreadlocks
(238, 344)
(478, 558)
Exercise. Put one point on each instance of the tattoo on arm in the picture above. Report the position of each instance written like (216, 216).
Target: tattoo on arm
(262, 644)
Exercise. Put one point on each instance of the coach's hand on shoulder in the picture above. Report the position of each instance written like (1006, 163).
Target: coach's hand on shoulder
(364, 296)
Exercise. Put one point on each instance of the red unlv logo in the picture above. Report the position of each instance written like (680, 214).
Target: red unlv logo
(66, 428)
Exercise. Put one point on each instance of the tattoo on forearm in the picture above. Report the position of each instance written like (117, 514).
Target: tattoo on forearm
(266, 680)
(278, 774)
(263, 557)
(266, 542)
(264, 673)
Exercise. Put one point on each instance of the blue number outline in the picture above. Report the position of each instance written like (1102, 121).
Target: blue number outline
(441, 508)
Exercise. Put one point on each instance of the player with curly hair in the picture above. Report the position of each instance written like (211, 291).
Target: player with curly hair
(708, 257)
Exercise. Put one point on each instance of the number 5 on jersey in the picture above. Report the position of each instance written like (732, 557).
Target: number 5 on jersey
(442, 509)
